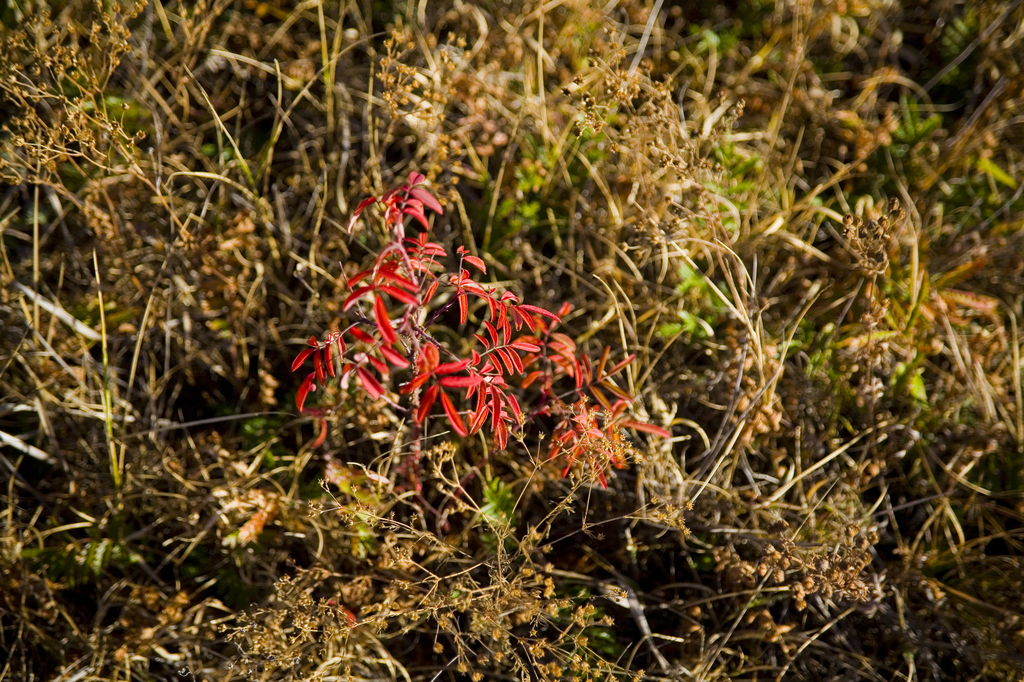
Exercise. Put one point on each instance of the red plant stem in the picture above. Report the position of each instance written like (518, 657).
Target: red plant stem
(424, 334)
(440, 311)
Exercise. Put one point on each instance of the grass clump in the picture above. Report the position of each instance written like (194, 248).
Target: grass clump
(675, 343)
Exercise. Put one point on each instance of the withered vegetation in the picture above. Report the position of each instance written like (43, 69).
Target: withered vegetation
(804, 219)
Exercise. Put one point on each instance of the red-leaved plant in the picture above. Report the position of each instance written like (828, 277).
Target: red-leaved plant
(391, 332)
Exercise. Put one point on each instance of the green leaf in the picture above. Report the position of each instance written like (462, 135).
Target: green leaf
(907, 380)
(667, 331)
(500, 504)
(998, 174)
(917, 390)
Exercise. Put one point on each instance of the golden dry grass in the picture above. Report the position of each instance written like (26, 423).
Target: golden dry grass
(803, 218)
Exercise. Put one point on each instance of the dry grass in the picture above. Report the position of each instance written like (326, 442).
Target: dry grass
(804, 219)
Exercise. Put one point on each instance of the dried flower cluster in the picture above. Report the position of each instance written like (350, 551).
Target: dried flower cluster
(872, 240)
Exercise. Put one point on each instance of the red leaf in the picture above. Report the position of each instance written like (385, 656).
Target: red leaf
(451, 367)
(517, 412)
(474, 288)
(463, 308)
(501, 436)
(461, 382)
(530, 378)
(426, 403)
(565, 340)
(398, 294)
(393, 357)
(617, 410)
(519, 319)
(646, 428)
(477, 263)
(560, 438)
(306, 386)
(416, 179)
(496, 410)
(563, 363)
(323, 434)
(431, 290)
(427, 198)
(588, 370)
(477, 419)
(516, 361)
(355, 296)
(492, 332)
(429, 357)
(601, 398)
(390, 275)
(503, 320)
(359, 209)
(383, 322)
(361, 335)
(329, 359)
(357, 278)
(417, 213)
(415, 383)
(318, 366)
(453, 415)
(379, 365)
(301, 358)
(434, 250)
(611, 386)
(370, 383)
(504, 354)
(539, 311)
(426, 248)
(617, 368)
(393, 218)
(603, 361)
(526, 347)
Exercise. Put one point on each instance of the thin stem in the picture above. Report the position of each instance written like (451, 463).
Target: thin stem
(440, 311)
